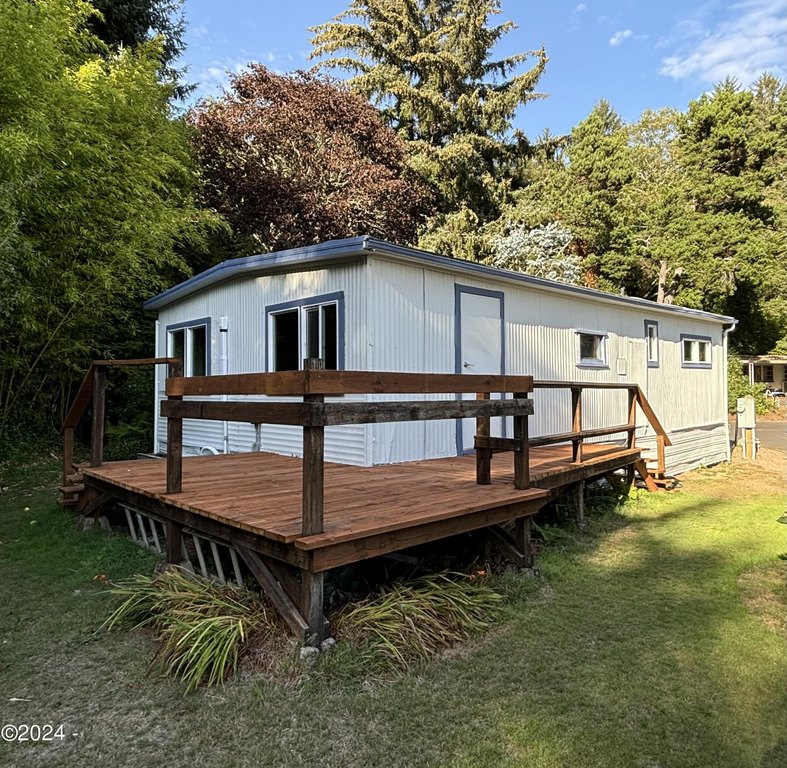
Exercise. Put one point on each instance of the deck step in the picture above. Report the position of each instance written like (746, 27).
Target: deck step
(77, 477)
(67, 502)
(71, 489)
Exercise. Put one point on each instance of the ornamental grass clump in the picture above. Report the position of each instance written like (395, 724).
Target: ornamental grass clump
(410, 622)
(202, 626)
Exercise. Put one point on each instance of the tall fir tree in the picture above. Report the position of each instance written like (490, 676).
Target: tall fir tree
(427, 65)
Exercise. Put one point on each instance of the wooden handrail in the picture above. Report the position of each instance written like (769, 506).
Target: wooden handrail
(313, 414)
(327, 382)
(93, 389)
(85, 391)
(639, 396)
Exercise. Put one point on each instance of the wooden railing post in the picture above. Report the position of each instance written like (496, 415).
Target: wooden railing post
(483, 456)
(313, 467)
(99, 409)
(576, 423)
(522, 453)
(661, 455)
(312, 512)
(632, 438)
(174, 438)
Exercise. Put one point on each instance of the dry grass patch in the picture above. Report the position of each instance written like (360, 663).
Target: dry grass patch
(764, 590)
(745, 478)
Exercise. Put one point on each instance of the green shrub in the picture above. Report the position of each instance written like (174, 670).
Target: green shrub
(738, 386)
(409, 622)
(202, 626)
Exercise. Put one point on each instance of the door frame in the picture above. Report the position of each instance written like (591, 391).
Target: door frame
(459, 289)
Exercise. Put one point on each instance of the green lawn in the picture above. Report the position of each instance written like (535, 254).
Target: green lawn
(654, 642)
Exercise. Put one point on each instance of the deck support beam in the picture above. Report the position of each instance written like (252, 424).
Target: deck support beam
(174, 542)
(312, 606)
(522, 535)
(275, 593)
(578, 493)
(517, 546)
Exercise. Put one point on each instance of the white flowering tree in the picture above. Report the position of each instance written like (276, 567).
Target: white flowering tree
(541, 252)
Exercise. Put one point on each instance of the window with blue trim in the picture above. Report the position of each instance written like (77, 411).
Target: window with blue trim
(652, 343)
(592, 349)
(308, 328)
(191, 343)
(695, 351)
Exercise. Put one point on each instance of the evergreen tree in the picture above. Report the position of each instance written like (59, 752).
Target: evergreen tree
(426, 64)
(129, 23)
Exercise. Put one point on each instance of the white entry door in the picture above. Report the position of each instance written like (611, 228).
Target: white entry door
(480, 347)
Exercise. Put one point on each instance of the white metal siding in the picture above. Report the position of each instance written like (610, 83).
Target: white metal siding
(243, 302)
(401, 317)
(412, 329)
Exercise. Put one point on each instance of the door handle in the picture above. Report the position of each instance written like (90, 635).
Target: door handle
(468, 365)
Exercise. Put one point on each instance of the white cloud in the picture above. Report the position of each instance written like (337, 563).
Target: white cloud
(579, 8)
(751, 40)
(215, 77)
(620, 36)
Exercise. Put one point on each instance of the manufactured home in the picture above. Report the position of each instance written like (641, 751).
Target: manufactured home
(366, 304)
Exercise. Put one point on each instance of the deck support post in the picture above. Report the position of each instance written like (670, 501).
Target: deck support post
(99, 408)
(522, 531)
(175, 438)
(313, 464)
(522, 452)
(174, 542)
(312, 606)
(576, 424)
(483, 456)
(578, 491)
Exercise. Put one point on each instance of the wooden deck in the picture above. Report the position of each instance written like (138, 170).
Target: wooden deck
(275, 511)
(368, 511)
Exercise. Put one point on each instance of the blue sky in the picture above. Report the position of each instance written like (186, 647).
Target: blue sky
(637, 54)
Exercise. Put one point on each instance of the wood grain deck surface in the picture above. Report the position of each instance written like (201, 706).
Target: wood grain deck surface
(261, 492)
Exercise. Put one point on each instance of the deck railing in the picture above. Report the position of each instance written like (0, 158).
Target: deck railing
(93, 390)
(486, 446)
(312, 413)
(313, 384)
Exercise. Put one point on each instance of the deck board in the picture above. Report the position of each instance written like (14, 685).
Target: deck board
(366, 508)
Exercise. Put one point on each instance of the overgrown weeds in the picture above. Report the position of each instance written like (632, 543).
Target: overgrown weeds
(410, 622)
(202, 627)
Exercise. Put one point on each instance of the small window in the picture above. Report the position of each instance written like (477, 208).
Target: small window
(309, 328)
(695, 351)
(764, 374)
(652, 343)
(191, 342)
(592, 348)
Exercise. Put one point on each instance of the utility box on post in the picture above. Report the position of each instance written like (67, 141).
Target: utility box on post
(746, 421)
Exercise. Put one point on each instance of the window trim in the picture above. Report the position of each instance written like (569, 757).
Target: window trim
(187, 326)
(588, 362)
(337, 298)
(657, 362)
(690, 363)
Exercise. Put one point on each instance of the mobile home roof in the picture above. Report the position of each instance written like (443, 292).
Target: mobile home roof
(337, 251)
